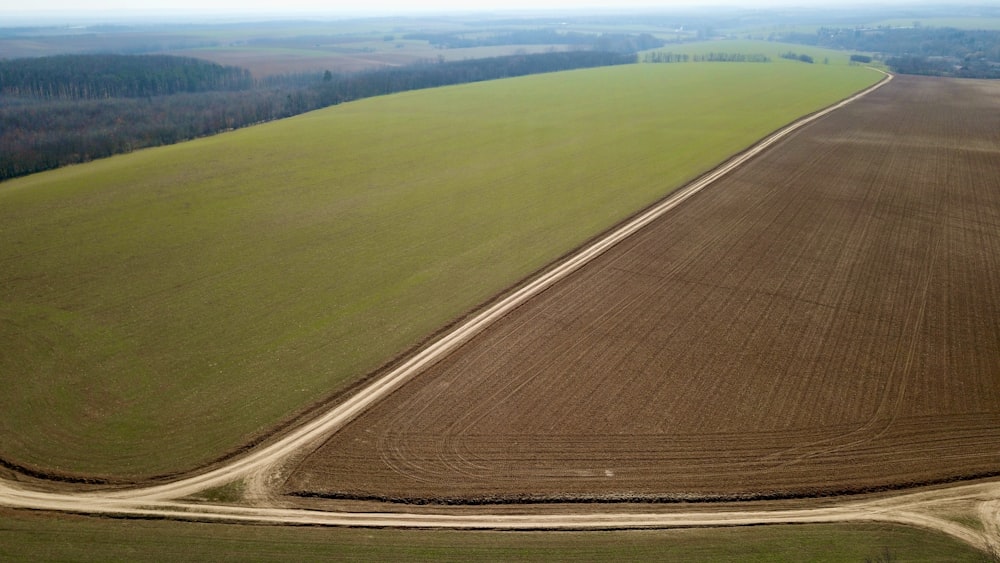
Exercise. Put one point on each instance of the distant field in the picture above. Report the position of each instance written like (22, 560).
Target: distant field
(367, 48)
(152, 36)
(771, 49)
(162, 308)
(32, 536)
(763, 31)
(956, 22)
(263, 62)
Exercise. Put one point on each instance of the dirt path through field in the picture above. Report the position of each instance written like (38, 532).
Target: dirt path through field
(938, 510)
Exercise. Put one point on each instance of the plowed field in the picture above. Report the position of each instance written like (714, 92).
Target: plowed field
(824, 320)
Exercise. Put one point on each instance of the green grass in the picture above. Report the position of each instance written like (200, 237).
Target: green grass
(161, 308)
(232, 492)
(41, 537)
(970, 521)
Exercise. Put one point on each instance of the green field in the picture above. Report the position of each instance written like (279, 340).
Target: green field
(772, 49)
(41, 537)
(162, 308)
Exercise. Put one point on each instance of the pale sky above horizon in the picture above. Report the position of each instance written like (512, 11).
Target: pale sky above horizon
(238, 7)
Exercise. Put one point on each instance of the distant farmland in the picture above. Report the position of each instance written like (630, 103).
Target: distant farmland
(161, 309)
(822, 321)
(277, 61)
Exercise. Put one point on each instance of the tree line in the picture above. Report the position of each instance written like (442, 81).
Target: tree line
(797, 57)
(939, 51)
(668, 57)
(42, 132)
(336, 89)
(942, 66)
(91, 77)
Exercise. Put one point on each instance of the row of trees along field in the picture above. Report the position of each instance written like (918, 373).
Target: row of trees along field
(668, 57)
(937, 51)
(803, 58)
(52, 113)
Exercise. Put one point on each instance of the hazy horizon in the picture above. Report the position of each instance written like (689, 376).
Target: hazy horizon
(54, 11)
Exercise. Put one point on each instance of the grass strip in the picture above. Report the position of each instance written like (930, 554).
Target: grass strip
(44, 537)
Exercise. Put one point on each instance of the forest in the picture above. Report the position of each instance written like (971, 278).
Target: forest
(53, 114)
(91, 77)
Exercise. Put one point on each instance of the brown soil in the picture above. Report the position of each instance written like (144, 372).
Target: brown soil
(824, 320)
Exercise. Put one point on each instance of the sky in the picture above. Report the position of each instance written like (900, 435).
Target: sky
(328, 5)
(309, 6)
(15, 13)
(234, 7)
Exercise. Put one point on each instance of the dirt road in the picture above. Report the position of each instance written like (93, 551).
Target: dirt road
(939, 510)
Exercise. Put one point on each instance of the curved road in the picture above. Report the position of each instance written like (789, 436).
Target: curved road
(927, 509)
